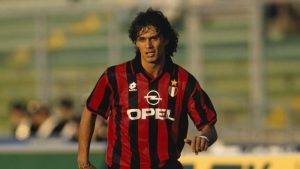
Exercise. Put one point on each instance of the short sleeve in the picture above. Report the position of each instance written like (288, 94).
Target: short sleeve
(99, 100)
(200, 108)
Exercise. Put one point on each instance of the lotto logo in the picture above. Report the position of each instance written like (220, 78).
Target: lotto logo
(132, 87)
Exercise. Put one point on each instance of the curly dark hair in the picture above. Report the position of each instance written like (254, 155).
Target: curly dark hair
(156, 19)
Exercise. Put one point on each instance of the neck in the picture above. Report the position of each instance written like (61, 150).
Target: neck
(154, 69)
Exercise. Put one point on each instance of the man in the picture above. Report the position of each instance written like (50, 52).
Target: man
(67, 125)
(21, 123)
(43, 122)
(147, 101)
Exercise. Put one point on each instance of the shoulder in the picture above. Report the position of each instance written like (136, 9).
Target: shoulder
(117, 69)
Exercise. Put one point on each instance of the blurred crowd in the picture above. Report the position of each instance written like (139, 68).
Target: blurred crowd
(35, 120)
(282, 19)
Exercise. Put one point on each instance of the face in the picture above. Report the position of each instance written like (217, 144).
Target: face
(151, 45)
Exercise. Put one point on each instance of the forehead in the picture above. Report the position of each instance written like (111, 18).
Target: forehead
(147, 31)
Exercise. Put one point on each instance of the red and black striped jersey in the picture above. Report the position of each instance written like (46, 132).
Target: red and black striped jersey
(148, 118)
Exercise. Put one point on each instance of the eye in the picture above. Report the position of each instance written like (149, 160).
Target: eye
(141, 39)
(155, 38)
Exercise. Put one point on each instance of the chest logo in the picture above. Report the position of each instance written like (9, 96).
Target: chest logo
(173, 89)
(153, 97)
(132, 87)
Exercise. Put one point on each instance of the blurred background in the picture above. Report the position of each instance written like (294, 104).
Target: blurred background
(246, 55)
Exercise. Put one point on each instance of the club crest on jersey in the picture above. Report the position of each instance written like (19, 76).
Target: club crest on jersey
(153, 97)
(173, 89)
(132, 87)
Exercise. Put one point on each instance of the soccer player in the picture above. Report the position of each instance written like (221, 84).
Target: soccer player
(147, 102)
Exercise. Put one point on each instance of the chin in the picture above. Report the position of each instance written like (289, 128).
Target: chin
(152, 60)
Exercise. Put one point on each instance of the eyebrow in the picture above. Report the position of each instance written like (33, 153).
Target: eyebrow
(152, 36)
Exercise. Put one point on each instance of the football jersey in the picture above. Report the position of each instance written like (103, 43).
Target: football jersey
(148, 118)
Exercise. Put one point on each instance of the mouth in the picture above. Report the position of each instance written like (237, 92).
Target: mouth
(150, 53)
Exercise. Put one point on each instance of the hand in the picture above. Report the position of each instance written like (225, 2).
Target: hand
(198, 143)
(86, 166)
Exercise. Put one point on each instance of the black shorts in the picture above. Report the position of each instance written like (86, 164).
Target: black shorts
(171, 164)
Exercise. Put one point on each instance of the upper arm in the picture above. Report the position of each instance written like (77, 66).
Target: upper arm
(99, 100)
(200, 108)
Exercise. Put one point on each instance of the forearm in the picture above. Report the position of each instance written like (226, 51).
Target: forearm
(86, 129)
(207, 136)
(211, 133)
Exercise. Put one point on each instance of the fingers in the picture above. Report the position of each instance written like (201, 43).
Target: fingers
(87, 166)
(193, 145)
(188, 141)
(203, 144)
(198, 144)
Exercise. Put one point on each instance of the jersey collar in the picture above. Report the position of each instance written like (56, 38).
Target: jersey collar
(138, 68)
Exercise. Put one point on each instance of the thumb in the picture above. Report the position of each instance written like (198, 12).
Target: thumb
(188, 141)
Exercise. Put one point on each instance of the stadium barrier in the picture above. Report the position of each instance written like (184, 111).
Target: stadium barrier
(242, 161)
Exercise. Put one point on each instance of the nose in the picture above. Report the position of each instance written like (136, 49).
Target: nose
(149, 43)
